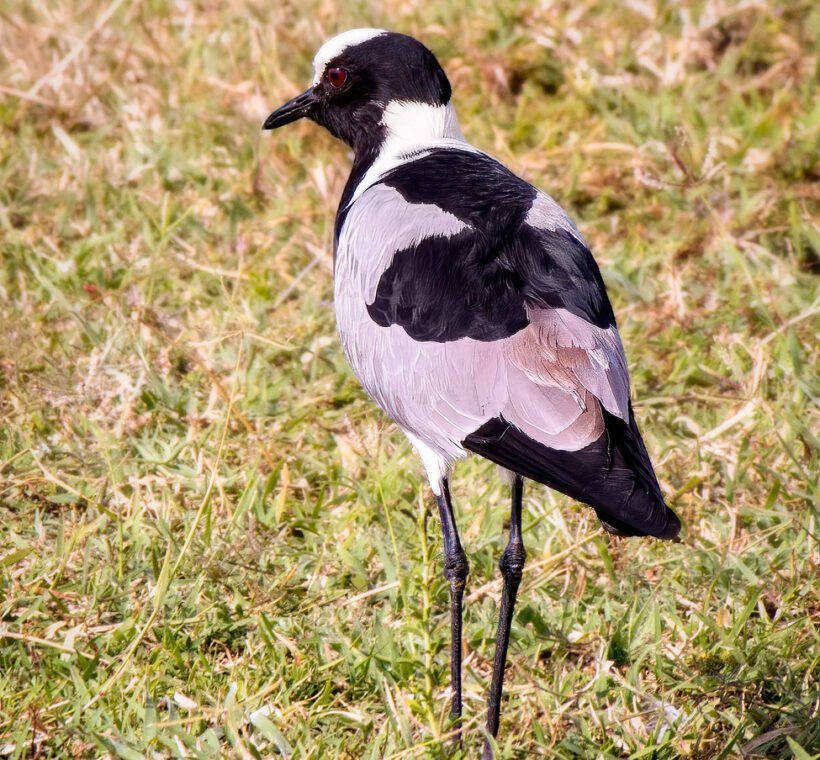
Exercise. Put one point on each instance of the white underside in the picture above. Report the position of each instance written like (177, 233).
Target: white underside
(436, 466)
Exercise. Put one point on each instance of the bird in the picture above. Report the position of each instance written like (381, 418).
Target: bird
(471, 310)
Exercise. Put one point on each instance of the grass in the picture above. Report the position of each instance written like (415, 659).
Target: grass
(211, 544)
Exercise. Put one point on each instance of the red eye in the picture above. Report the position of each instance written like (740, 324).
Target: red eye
(337, 76)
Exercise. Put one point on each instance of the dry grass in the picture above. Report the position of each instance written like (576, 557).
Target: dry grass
(211, 545)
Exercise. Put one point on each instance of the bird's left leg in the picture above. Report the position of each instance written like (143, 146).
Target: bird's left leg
(456, 569)
(512, 568)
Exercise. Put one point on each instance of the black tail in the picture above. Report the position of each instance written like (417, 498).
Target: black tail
(613, 474)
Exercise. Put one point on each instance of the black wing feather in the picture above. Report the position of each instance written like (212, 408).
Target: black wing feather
(479, 283)
(613, 474)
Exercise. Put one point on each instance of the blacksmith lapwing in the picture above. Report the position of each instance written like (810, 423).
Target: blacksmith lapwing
(471, 310)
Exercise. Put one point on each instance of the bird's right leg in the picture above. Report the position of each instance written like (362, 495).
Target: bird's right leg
(456, 569)
(512, 568)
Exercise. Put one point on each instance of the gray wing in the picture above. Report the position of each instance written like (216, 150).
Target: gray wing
(549, 378)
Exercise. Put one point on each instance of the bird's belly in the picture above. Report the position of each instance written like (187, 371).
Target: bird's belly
(429, 389)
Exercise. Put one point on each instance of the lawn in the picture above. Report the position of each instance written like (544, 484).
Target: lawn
(212, 544)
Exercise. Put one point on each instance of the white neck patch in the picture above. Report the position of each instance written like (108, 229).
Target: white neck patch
(410, 123)
(413, 129)
(335, 46)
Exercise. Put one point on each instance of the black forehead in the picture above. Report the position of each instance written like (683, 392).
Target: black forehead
(398, 66)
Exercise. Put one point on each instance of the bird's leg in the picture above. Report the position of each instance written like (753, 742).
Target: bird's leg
(456, 569)
(512, 567)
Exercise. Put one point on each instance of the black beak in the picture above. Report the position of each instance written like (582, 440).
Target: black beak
(294, 109)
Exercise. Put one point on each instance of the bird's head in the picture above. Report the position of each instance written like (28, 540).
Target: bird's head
(369, 86)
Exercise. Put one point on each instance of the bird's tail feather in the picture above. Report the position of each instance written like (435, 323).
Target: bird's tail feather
(613, 475)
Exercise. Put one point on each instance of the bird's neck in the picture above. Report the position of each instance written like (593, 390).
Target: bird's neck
(405, 128)
(408, 125)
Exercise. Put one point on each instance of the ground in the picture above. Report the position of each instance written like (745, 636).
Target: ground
(212, 544)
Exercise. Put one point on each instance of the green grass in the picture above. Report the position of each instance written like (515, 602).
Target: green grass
(211, 544)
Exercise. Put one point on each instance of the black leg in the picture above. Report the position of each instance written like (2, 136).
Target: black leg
(456, 569)
(512, 567)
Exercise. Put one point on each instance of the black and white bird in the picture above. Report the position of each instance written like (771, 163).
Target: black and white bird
(472, 311)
